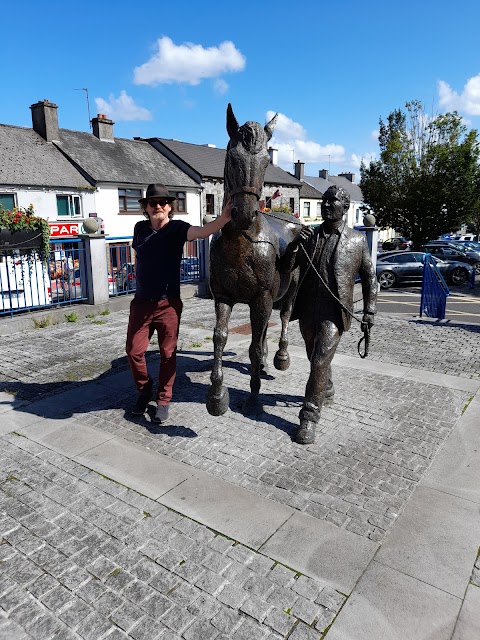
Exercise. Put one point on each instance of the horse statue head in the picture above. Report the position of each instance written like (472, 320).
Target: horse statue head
(245, 164)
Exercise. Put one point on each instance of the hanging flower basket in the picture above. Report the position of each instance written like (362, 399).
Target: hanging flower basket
(21, 229)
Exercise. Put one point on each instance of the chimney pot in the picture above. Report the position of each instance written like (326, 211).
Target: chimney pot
(103, 128)
(273, 153)
(299, 170)
(323, 173)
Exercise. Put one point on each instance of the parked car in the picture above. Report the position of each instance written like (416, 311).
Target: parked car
(407, 266)
(125, 277)
(397, 243)
(189, 268)
(453, 251)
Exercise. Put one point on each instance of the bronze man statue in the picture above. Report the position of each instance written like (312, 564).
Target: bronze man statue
(324, 304)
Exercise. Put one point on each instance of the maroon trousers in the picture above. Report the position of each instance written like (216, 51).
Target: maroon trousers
(146, 317)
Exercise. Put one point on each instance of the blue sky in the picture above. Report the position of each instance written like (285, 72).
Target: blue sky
(330, 69)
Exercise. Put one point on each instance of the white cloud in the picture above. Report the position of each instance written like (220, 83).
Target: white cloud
(188, 63)
(466, 102)
(375, 134)
(122, 108)
(291, 140)
(356, 160)
(221, 87)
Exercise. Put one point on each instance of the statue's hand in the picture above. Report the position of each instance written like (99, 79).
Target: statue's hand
(302, 238)
(367, 321)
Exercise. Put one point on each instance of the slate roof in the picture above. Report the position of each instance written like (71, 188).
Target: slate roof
(307, 191)
(27, 160)
(209, 162)
(122, 161)
(322, 185)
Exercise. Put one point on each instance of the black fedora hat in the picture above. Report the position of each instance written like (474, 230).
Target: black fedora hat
(157, 190)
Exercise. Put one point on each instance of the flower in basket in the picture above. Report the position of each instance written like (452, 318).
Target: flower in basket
(24, 219)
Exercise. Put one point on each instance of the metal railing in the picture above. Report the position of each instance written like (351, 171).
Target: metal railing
(121, 267)
(27, 282)
(435, 291)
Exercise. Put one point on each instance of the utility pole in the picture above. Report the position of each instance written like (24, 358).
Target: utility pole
(88, 105)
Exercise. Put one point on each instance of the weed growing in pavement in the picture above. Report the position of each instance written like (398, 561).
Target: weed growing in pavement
(99, 322)
(208, 338)
(41, 323)
(195, 344)
(105, 312)
(71, 317)
(466, 405)
(90, 315)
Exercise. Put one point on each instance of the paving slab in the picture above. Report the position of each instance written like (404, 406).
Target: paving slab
(66, 402)
(388, 605)
(468, 623)
(434, 540)
(443, 380)
(321, 550)
(16, 419)
(152, 474)
(8, 402)
(69, 437)
(456, 468)
(233, 511)
(386, 368)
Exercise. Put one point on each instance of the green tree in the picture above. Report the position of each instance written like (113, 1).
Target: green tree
(424, 182)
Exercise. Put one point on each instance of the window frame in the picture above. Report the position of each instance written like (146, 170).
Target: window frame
(14, 198)
(72, 199)
(129, 197)
(210, 204)
(181, 202)
(306, 209)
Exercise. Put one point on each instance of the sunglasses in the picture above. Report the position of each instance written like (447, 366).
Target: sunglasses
(161, 201)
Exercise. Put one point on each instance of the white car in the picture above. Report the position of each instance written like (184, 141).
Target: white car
(24, 282)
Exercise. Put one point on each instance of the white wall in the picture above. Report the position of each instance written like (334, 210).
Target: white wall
(45, 201)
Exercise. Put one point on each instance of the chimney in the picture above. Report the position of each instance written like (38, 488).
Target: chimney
(299, 170)
(103, 128)
(323, 173)
(273, 153)
(45, 119)
(348, 175)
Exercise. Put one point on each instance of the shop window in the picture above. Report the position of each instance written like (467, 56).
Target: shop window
(69, 207)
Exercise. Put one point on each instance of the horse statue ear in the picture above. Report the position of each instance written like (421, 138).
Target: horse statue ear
(270, 126)
(232, 124)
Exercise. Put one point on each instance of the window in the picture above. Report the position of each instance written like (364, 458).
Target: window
(268, 203)
(7, 200)
(319, 208)
(292, 204)
(69, 206)
(181, 203)
(210, 204)
(128, 200)
(306, 209)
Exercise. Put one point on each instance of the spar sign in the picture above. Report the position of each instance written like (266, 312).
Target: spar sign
(61, 229)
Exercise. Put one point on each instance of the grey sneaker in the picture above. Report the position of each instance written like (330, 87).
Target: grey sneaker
(161, 414)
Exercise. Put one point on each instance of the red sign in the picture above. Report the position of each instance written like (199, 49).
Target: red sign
(60, 229)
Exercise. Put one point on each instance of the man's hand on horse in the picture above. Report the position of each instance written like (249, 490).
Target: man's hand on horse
(227, 210)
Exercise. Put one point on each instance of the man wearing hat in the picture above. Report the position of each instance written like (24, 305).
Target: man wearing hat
(158, 243)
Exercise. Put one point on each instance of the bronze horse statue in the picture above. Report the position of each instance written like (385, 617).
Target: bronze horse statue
(245, 261)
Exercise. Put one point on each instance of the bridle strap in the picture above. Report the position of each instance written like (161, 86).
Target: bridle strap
(246, 190)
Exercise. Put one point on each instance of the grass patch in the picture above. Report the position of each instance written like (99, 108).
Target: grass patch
(105, 312)
(466, 405)
(146, 514)
(71, 317)
(99, 322)
(195, 345)
(90, 315)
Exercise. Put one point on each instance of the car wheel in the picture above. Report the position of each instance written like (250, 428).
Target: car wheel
(477, 268)
(459, 276)
(386, 279)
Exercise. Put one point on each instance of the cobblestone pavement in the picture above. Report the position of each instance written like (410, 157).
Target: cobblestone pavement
(85, 557)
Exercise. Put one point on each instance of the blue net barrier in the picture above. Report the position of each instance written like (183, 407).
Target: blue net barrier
(434, 290)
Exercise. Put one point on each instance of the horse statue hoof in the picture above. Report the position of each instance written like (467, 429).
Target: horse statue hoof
(252, 407)
(218, 404)
(281, 361)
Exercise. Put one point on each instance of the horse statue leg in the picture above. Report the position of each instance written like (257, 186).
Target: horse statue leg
(218, 397)
(260, 311)
(281, 360)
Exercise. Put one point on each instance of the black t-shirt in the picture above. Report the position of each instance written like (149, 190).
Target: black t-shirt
(158, 258)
